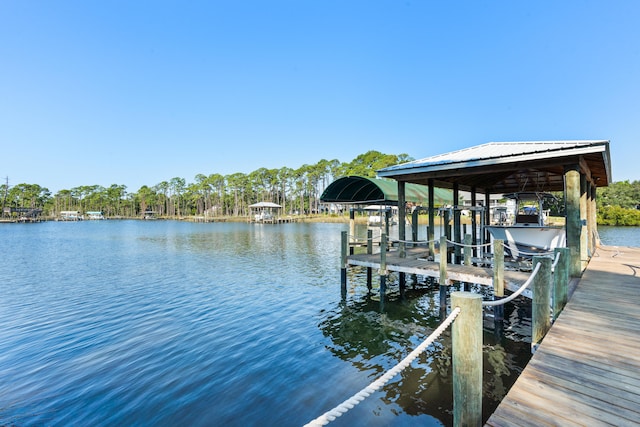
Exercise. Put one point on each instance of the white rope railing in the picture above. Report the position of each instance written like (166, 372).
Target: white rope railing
(356, 239)
(469, 246)
(516, 293)
(555, 262)
(339, 410)
(416, 241)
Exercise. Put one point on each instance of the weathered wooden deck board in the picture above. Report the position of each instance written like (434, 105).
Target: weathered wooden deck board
(587, 369)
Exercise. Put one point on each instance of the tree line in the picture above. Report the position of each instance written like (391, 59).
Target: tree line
(296, 190)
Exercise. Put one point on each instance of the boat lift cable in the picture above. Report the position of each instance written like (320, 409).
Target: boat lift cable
(339, 410)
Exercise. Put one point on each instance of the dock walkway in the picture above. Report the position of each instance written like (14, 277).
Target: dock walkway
(586, 371)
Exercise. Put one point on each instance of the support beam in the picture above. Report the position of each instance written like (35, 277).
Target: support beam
(594, 216)
(474, 223)
(432, 222)
(456, 224)
(352, 229)
(573, 224)
(466, 355)
(487, 214)
(584, 234)
(402, 220)
(590, 223)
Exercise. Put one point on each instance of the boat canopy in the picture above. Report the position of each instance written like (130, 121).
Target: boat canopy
(374, 191)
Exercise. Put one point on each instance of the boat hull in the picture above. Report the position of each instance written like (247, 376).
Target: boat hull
(528, 240)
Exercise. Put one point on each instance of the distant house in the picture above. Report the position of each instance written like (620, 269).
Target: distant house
(95, 215)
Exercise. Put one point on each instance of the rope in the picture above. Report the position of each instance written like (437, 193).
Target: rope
(516, 293)
(416, 241)
(331, 415)
(555, 262)
(469, 246)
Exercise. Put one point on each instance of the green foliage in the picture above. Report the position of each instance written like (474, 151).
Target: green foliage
(617, 204)
(296, 190)
(368, 163)
(616, 215)
(623, 193)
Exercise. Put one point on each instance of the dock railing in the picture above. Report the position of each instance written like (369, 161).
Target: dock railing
(549, 280)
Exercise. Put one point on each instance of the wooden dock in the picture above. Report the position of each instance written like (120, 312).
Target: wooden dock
(416, 263)
(586, 371)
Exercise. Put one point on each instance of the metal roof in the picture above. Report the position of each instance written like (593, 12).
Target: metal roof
(358, 189)
(501, 167)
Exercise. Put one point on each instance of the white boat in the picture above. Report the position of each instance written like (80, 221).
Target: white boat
(378, 215)
(529, 234)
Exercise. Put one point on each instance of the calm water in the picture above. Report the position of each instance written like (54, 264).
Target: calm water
(162, 323)
(620, 236)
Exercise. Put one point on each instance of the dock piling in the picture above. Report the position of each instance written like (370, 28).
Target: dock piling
(498, 280)
(383, 267)
(560, 281)
(540, 307)
(343, 266)
(369, 252)
(467, 359)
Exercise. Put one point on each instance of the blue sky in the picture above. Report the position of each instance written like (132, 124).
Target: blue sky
(138, 92)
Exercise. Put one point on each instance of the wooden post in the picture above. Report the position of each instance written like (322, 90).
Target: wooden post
(467, 249)
(474, 222)
(414, 224)
(466, 357)
(487, 214)
(402, 214)
(498, 278)
(594, 219)
(352, 230)
(343, 262)
(383, 266)
(584, 238)
(387, 220)
(443, 272)
(369, 252)
(590, 207)
(573, 221)
(443, 260)
(447, 232)
(541, 302)
(560, 281)
(432, 223)
(456, 224)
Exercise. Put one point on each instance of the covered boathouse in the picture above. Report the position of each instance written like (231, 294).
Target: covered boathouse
(575, 167)
(360, 191)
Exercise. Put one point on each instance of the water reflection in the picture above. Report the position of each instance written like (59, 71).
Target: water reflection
(374, 339)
